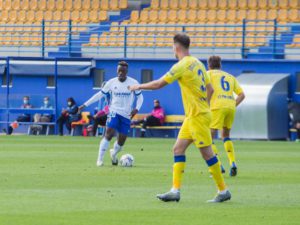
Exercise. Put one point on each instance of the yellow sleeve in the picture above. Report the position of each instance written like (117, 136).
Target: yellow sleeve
(237, 88)
(174, 73)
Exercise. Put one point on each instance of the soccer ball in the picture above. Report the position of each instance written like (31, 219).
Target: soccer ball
(126, 160)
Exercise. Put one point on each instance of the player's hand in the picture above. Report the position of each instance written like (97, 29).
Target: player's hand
(133, 113)
(134, 87)
(81, 108)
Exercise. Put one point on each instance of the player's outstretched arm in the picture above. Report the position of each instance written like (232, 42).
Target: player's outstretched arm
(153, 85)
(239, 98)
(96, 97)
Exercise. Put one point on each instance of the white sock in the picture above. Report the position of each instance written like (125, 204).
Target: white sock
(222, 192)
(174, 190)
(117, 148)
(104, 144)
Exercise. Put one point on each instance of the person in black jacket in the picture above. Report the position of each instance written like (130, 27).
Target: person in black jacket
(294, 112)
(68, 116)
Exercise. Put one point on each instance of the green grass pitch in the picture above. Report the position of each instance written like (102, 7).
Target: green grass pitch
(54, 181)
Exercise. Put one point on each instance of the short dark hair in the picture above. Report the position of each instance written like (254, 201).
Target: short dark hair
(214, 62)
(123, 63)
(182, 39)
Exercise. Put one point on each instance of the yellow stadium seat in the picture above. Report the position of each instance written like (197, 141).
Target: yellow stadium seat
(132, 28)
(193, 4)
(241, 14)
(174, 4)
(250, 41)
(123, 4)
(213, 4)
(63, 27)
(162, 15)
(294, 4)
(131, 40)
(82, 26)
(293, 15)
(155, 4)
(66, 15)
(220, 28)
(181, 15)
(221, 15)
(77, 4)
(48, 15)
(60, 5)
(282, 15)
(232, 4)
(7, 5)
(57, 15)
(22, 16)
(94, 16)
(112, 40)
(231, 15)
(149, 40)
(86, 4)
(219, 40)
(54, 26)
(142, 28)
(183, 4)
(161, 28)
(211, 15)
(113, 5)
(202, 4)
(262, 14)
(104, 5)
(68, 5)
(4, 15)
(222, 4)
(263, 4)
(252, 4)
(250, 27)
(251, 14)
(270, 27)
(13, 16)
(272, 14)
(103, 16)
(242, 4)
(170, 27)
(39, 15)
(84, 16)
(33, 5)
(151, 28)
(93, 40)
(164, 4)
(201, 15)
(190, 28)
(1, 4)
(192, 15)
(283, 4)
(172, 15)
(50, 5)
(210, 28)
(134, 16)
(153, 16)
(272, 4)
(30, 16)
(75, 16)
(103, 39)
(42, 5)
(144, 16)
(197, 40)
(15, 5)
(95, 4)
(261, 28)
(114, 27)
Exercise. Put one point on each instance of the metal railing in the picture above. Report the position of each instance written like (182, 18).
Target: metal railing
(55, 38)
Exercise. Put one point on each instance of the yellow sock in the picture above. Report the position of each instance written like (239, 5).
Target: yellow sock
(228, 145)
(178, 169)
(214, 168)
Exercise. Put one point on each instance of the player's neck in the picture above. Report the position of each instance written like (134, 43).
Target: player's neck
(183, 54)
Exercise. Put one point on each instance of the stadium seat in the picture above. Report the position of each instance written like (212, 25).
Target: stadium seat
(294, 4)
(69, 4)
(48, 15)
(262, 14)
(201, 15)
(213, 4)
(211, 15)
(25, 5)
(149, 40)
(162, 15)
(183, 4)
(155, 4)
(6, 5)
(241, 14)
(113, 5)
(39, 15)
(94, 16)
(50, 5)
(200, 29)
(95, 4)
(153, 15)
(242, 4)
(221, 15)
(222, 4)
(263, 4)
(142, 29)
(293, 15)
(295, 43)
(77, 4)
(132, 28)
(174, 4)
(57, 15)
(103, 16)
(192, 15)
(30, 16)
(33, 5)
(66, 15)
(84, 16)
(272, 4)
(232, 4)
(164, 4)
(144, 16)
(84, 121)
(15, 5)
(86, 5)
(210, 28)
(272, 14)
(219, 40)
(202, 4)
(104, 5)
(193, 4)
(283, 4)
(103, 39)
(181, 15)
(252, 4)
(114, 27)
(123, 4)
(231, 15)
(251, 14)
(22, 16)
(282, 15)
(220, 28)
(172, 15)
(134, 16)
(75, 16)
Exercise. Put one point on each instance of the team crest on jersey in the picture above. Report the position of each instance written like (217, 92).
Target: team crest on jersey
(115, 87)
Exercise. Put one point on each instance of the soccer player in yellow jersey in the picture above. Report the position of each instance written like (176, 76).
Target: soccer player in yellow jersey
(196, 92)
(223, 105)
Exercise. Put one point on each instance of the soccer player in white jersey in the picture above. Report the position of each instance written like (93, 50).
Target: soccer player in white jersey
(120, 111)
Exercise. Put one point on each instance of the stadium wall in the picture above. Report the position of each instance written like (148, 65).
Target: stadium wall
(81, 87)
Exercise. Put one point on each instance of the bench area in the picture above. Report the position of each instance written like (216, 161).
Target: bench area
(172, 122)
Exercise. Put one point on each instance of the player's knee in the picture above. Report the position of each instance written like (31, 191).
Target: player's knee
(225, 133)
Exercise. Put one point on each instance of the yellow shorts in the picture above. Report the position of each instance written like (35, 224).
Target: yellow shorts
(197, 129)
(222, 118)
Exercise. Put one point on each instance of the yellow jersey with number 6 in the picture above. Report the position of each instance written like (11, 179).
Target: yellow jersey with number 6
(192, 78)
(224, 85)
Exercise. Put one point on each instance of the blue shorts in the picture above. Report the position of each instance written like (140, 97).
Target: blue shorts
(118, 123)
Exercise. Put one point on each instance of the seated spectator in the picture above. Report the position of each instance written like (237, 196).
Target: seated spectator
(156, 118)
(22, 118)
(42, 118)
(68, 116)
(294, 112)
(99, 119)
